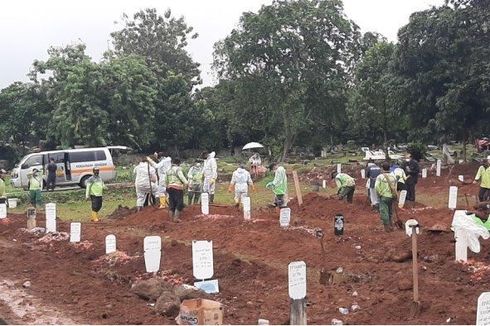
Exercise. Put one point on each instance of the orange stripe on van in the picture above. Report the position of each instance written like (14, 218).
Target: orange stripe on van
(90, 169)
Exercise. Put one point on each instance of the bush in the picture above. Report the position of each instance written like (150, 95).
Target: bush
(417, 150)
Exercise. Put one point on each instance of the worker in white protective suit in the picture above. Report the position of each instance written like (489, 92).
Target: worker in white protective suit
(210, 171)
(161, 167)
(145, 183)
(240, 180)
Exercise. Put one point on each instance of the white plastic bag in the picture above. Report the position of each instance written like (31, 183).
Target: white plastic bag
(469, 229)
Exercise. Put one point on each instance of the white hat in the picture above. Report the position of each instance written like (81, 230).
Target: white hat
(488, 157)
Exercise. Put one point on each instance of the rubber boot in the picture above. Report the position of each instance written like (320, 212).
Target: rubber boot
(95, 217)
(211, 199)
(171, 214)
(176, 217)
(163, 202)
(387, 228)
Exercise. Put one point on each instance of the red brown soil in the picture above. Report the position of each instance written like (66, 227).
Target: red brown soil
(251, 260)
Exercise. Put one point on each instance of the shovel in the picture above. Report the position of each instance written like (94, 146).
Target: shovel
(398, 222)
(415, 307)
(324, 275)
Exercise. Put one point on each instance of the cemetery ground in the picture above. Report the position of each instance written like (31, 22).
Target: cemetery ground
(370, 271)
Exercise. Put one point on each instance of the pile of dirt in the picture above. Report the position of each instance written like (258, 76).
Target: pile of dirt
(369, 270)
(121, 212)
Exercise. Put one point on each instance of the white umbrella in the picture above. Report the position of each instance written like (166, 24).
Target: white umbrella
(252, 145)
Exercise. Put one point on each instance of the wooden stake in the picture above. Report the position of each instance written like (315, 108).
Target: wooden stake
(415, 265)
(298, 189)
(415, 309)
(297, 315)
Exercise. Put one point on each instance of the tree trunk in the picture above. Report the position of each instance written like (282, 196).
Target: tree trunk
(286, 146)
(465, 142)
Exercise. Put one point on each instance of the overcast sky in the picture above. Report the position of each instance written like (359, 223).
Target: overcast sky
(29, 27)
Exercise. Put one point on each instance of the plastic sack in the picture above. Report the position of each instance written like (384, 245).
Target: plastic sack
(469, 229)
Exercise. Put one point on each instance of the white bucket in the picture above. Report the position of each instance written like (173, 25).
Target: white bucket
(12, 202)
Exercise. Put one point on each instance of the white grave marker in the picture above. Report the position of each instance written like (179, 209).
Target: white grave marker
(453, 197)
(50, 217)
(339, 168)
(205, 203)
(424, 173)
(297, 280)
(285, 217)
(3, 211)
(324, 184)
(110, 244)
(408, 227)
(461, 178)
(483, 310)
(246, 208)
(153, 253)
(438, 168)
(75, 231)
(363, 174)
(461, 246)
(402, 199)
(202, 259)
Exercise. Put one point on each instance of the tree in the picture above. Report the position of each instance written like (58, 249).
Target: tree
(23, 116)
(161, 41)
(443, 58)
(129, 93)
(374, 115)
(291, 62)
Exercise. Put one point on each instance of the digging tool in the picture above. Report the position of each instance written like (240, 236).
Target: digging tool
(467, 201)
(151, 200)
(411, 229)
(324, 274)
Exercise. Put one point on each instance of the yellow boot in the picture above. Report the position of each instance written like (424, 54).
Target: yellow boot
(163, 202)
(95, 217)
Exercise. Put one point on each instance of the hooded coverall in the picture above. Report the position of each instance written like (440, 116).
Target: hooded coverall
(241, 179)
(210, 171)
(279, 186)
(144, 182)
(195, 177)
(161, 167)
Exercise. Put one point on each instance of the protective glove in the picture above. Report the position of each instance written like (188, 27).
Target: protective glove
(253, 188)
(270, 185)
(230, 188)
(212, 182)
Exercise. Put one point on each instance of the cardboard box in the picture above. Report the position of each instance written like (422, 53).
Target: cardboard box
(200, 312)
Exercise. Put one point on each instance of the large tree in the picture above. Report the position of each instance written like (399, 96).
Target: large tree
(373, 109)
(290, 62)
(444, 59)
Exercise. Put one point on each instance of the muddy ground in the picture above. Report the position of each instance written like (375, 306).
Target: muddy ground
(78, 283)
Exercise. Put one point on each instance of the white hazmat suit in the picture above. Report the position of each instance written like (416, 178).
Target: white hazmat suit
(144, 182)
(210, 171)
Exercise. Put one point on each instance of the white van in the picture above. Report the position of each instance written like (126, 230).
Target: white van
(74, 165)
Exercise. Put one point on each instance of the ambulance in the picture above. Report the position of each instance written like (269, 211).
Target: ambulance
(74, 165)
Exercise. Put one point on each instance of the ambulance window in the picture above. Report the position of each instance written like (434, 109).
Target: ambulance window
(76, 157)
(58, 157)
(100, 156)
(33, 161)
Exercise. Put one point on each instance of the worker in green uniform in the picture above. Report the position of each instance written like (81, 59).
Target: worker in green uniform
(385, 186)
(94, 190)
(3, 194)
(483, 175)
(345, 184)
(35, 185)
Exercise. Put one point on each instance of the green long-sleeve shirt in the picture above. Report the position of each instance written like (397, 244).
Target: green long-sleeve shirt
(3, 194)
(382, 185)
(483, 174)
(95, 186)
(344, 180)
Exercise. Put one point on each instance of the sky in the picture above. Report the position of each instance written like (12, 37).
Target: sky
(29, 27)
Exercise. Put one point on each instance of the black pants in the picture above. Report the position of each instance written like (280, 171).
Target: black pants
(51, 182)
(96, 203)
(484, 194)
(347, 193)
(410, 191)
(175, 199)
(401, 186)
